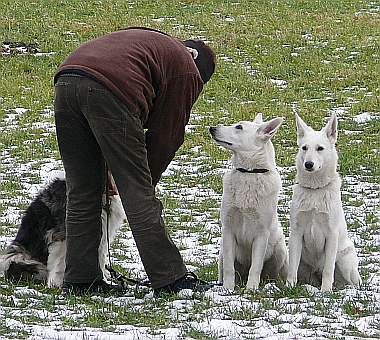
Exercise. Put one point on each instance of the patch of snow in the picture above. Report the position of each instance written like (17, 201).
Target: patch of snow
(229, 19)
(339, 111)
(282, 84)
(307, 36)
(362, 118)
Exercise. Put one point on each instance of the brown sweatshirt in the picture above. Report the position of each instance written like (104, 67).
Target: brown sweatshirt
(154, 75)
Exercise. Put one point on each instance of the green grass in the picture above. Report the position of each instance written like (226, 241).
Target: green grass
(326, 51)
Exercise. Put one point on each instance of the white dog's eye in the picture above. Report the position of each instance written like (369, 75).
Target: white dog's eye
(320, 148)
(304, 148)
(239, 127)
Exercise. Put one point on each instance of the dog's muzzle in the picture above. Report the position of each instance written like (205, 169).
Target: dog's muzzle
(212, 130)
(309, 166)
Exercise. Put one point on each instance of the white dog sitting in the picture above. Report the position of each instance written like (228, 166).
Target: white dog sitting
(319, 247)
(253, 244)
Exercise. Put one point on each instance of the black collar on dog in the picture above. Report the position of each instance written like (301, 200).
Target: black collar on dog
(253, 171)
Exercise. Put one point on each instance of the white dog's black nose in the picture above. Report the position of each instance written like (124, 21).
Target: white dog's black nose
(212, 130)
(309, 165)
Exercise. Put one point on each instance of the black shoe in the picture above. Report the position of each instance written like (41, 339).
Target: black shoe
(189, 281)
(96, 287)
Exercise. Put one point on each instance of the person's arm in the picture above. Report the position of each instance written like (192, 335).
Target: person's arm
(170, 115)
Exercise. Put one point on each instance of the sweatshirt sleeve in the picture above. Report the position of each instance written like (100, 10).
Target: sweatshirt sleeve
(170, 114)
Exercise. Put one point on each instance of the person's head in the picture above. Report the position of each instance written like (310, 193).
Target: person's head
(204, 58)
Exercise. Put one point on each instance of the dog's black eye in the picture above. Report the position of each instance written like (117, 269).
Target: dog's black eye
(304, 148)
(239, 127)
(320, 148)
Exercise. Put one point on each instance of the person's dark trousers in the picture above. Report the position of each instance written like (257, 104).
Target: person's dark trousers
(92, 125)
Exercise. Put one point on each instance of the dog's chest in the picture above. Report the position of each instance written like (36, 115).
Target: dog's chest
(315, 232)
(324, 200)
(248, 228)
(315, 211)
(249, 191)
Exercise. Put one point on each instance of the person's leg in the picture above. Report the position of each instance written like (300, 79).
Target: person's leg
(121, 138)
(85, 177)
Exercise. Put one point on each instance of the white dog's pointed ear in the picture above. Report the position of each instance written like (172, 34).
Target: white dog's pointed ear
(331, 129)
(259, 118)
(302, 127)
(268, 129)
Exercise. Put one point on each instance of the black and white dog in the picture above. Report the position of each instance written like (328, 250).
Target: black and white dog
(39, 248)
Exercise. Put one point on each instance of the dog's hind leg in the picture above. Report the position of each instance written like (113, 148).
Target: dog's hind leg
(347, 264)
(220, 264)
(24, 269)
(56, 264)
(281, 256)
(5, 261)
(17, 264)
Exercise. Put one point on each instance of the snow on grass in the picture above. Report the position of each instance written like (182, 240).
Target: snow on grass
(281, 84)
(126, 333)
(20, 48)
(364, 117)
(274, 312)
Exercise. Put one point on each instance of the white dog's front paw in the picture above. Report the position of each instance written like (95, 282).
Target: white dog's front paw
(291, 280)
(252, 284)
(55, 280)
(326, 287)
(251, 287)
(229, 283)
(229, 286)
(228, 278)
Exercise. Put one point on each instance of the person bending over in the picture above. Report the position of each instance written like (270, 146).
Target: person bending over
(123, 100)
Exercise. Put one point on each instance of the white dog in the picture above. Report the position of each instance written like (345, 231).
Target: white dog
(319, 247)
(253, 244)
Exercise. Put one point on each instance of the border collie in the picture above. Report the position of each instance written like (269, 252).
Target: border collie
(39, 248)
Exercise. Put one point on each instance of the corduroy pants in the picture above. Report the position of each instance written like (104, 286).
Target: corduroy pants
(93, 127)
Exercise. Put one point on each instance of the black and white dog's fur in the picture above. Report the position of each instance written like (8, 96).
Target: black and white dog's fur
(39, 248)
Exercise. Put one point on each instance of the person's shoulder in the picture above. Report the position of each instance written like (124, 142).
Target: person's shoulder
(143, 32)
(143, 29)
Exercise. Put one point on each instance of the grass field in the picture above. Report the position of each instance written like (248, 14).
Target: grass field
(275, 57)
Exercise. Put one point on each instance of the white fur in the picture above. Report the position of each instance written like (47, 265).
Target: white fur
(56, 264)
(319, 244)
(57, 250)
(252, 238)
(116, 220)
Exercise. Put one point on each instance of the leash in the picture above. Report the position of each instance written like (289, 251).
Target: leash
(116, 276)
(141, 287)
